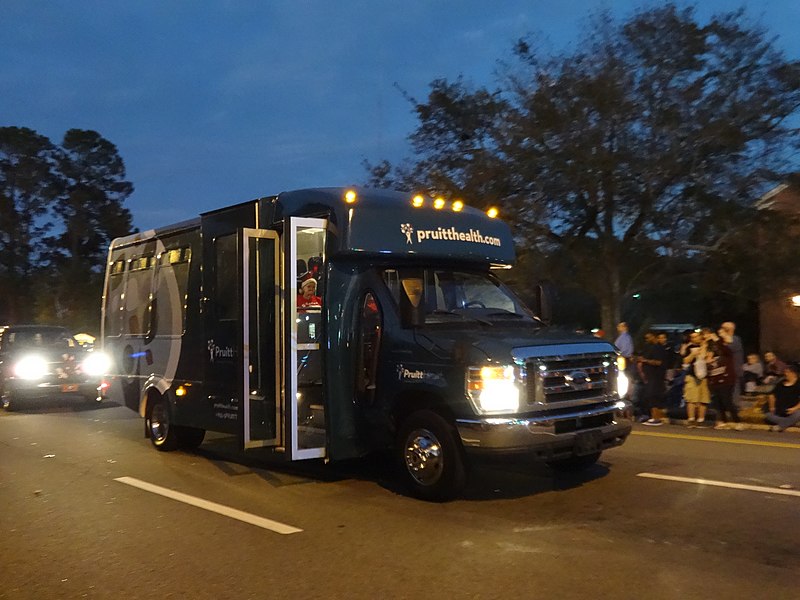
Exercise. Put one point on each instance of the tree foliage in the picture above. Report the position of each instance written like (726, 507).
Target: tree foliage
(642, 147)
(60, 206)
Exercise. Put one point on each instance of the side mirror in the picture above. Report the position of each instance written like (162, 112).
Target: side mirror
(545, 300)
(412, 307)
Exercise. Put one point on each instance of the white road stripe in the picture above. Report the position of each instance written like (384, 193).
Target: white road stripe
(735, 486)
(220, 509)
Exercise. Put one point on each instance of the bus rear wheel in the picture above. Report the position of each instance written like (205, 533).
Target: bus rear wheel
(163, 434)
(431, 457)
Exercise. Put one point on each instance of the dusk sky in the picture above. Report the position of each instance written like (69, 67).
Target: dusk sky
(214, 103)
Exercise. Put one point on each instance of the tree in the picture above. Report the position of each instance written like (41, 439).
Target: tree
(60, 206)
(89, 213)
(28, 185)
(646, 143)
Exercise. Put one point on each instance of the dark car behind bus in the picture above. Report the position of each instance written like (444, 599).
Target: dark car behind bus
(46, 362)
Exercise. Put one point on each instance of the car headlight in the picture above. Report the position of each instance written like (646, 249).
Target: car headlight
(96, 364)
(31, 367)
(493, 390)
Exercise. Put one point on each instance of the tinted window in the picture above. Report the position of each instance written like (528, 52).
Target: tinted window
(137, 294)
(172, 281)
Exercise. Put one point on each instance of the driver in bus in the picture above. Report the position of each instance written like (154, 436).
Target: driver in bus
(307, 298)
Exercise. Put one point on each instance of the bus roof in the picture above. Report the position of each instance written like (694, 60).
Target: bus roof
(380, 222)
(388, 222)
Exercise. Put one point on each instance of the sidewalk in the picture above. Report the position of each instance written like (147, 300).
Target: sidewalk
(751, 414)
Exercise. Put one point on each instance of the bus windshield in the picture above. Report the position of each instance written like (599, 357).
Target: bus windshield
(457, 295)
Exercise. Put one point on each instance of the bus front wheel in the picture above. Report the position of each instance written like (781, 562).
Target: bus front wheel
(431, 457)
(190, 438)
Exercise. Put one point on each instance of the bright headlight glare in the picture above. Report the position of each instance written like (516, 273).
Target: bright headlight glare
(493, 389)
(31, 367)
(97, 363)
(622, 384)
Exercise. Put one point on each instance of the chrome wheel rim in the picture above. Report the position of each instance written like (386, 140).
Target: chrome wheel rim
(159, 423)
(424, 457)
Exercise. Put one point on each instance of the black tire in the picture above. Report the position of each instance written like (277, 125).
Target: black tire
(190, 438)
(574, 463)
(163, 433)
(430, 456)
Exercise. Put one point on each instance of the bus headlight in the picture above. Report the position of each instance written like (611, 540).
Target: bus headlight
(622, 384)
(96, 364)
(493, 390)
(622, 379)
(31, 367)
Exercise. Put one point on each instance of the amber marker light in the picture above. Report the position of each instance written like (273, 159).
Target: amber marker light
(180, 391)
(492, 212)
(350, 196)
(438, 204)
(417, 201)
(458, 205)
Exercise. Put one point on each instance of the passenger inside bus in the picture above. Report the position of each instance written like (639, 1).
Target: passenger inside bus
(307, 298)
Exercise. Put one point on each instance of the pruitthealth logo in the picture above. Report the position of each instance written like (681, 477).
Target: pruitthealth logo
(473, 236)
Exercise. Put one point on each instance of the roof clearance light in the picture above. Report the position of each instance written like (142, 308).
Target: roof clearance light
(458, 205)
(492, 212)
(417, 201)
(438, 204)
(350, 196)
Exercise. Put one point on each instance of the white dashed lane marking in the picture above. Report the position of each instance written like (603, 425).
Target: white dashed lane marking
(736, 486)
(220, 509)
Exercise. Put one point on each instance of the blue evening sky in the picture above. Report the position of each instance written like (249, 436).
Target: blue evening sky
(213, 103)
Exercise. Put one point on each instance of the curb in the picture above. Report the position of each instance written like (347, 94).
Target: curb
(747, 426)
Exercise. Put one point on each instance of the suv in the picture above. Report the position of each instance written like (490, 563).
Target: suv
(41, 361)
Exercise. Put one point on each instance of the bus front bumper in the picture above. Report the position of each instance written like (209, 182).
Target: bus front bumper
(547, 436)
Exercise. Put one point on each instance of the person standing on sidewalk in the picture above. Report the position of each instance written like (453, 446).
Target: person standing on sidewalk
(653, 365)
(695, 387)
(624, 344)
(784, 401)
(737, 350)
(722, 379)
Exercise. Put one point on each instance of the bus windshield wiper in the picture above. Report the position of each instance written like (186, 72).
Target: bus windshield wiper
(460, 315)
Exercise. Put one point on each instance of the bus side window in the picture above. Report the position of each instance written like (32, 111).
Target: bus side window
(392, 280)
(172, 282)
(137, 294)
(369, 332)
(114, 298)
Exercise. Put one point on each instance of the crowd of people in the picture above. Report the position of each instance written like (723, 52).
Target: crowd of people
(706, 368)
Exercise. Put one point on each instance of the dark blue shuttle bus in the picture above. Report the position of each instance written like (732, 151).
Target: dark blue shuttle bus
(330, 323)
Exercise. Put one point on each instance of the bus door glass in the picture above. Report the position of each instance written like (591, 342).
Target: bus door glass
(306, 289)
(261, 338)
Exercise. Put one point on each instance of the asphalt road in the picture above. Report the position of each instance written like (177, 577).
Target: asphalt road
(77, 523)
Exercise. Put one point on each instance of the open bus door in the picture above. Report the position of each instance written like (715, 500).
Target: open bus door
(282, 367)
(261, 347)
(304, 389)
